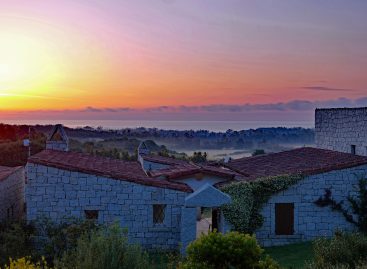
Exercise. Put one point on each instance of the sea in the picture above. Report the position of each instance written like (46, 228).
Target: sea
(215, 126)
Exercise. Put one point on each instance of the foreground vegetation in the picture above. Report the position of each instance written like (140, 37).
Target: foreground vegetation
(85, 245)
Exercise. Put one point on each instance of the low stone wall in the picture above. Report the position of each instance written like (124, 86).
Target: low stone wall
(57, 194)
(310, 220)
(12, 196)
(338, 129)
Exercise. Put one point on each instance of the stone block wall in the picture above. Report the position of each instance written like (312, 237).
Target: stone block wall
(338, 129)
(12, 196)
(57, 145)
(57, 193)
(310, 220)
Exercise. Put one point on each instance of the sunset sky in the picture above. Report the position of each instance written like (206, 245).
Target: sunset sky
(181, 59)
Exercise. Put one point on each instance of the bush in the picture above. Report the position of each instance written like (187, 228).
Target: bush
(54, 239)
(15, 241)
(348, 250)
(231, 250)
(25, 263)
(106, 248)
(258, 152)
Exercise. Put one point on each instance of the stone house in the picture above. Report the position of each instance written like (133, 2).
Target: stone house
(160, 199)
(158, 206)
(342, 129)
(12, 182)
(292, 215)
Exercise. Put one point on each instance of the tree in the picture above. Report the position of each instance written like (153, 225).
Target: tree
(258, 152)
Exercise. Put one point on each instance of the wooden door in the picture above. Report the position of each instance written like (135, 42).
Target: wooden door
(284, 219)
(215, 219)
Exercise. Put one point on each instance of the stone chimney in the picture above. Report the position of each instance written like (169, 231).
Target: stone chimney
(143, 149)
(58, 140)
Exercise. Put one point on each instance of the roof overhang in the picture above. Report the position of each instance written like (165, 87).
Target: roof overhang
(207, 196)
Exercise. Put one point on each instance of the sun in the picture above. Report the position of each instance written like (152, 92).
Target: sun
(12, 65)
(28, 64)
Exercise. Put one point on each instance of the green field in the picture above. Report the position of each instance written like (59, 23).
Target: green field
(291, 256)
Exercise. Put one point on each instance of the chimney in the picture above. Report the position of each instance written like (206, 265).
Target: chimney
(143, 149)
(58, 140)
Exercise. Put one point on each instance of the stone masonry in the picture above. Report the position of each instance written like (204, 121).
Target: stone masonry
(58, 193)
(341, 129)
(12, 195)
(310, 220)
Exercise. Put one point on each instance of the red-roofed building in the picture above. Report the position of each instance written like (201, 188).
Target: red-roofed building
(150, 197)
(292, 215)
(159, 199)
(11, 193)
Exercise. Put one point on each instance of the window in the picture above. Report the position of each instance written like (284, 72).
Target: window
(353, 149)
(284, 219)
(10, 212)
(158, 213)
(91, 214)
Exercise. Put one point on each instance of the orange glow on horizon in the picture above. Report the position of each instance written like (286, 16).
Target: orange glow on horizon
(76, 54)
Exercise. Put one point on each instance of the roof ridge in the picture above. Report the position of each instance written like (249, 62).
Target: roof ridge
(130, 171)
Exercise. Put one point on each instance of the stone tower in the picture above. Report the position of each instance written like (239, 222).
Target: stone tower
(342, 129)
(58, 140)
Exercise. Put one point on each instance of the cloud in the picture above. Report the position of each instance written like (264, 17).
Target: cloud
(280, 111)
(108, 109)
(295, 105)
(327, 89)
(30, 96)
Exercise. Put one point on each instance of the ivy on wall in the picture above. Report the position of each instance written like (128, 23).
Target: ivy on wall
(248, 198)
(358, 205)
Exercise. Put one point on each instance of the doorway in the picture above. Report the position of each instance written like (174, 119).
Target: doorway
(207, 220)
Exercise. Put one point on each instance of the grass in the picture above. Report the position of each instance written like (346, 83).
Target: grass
(291, 256)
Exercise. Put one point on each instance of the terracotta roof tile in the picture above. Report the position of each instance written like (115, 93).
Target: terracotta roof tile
(5, 171)
(306, 161)
(175, 171)
(101, 166)
(163, 160)
(187, 169)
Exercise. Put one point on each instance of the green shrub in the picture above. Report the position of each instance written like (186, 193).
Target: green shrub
(342, 250)
(26, 263)
(258, 152)
(54, 239)
(106, 248)
(15, 241)
(231, 250)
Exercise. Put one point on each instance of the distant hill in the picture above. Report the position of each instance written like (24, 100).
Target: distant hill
(123, 143)
(12, 151)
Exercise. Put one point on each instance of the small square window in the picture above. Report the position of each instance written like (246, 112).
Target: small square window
(10, 212)
(158, 213)
(353, 149)
(91, 214)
